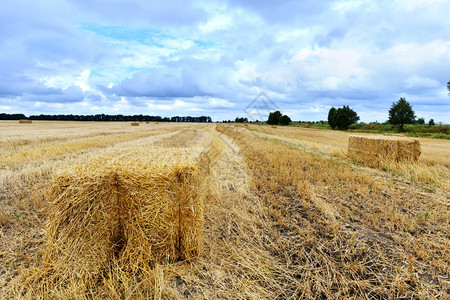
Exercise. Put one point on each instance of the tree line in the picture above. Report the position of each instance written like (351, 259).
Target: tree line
(400, 113)
(275, 118)
(106, 118)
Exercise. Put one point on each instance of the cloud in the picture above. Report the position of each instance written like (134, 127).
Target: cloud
(284, 11)
(141, 12)
(155, 84)
(63, 96)
(417, 82)
(211, 57)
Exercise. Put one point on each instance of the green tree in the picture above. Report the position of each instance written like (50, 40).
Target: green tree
(274, 118)
(401, 113)
(241, 120)
(448, 87)
(420, 121)
(331, 117)
(285, 120)
(431, 122)
(345, 117)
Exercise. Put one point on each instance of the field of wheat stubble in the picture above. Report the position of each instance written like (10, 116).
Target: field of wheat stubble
(279, 213)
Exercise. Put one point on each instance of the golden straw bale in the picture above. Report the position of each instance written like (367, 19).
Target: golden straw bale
(138, 211)
(163, 214)
(273, 126)
(25, 121)
(375, 150)
(134, 123)
(83, 226)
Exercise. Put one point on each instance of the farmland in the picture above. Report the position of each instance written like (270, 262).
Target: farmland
(287, 214)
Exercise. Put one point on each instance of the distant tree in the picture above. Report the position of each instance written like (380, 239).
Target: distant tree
(345, 117)
(431, 122)
(241, 120)
(401, 113)
(274, 118)
(332, 117)
(342, 118)
(448, 87)
(285, 120)
(420, 121)
(4, 116)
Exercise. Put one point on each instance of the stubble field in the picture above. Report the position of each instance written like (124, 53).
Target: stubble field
(287, 214)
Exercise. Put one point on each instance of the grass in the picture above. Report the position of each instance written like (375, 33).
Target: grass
(289, 216)
(435, 131)
(413, 130)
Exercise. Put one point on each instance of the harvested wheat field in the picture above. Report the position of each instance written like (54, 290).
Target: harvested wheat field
(206, 211)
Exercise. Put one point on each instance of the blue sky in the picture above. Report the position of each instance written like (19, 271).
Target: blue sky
(215, 57)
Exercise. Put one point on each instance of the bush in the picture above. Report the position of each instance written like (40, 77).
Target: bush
(421, 121)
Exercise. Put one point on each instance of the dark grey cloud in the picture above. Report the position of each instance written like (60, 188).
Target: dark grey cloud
(69, 95)
(20, 85)
(157, 84)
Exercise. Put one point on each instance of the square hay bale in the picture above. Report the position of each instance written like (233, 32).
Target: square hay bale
(136, 212)
(147, 122)
(373, 150)
(25, 121)
(273, 126)
(83, 227)
(134, 123)
(163, 214)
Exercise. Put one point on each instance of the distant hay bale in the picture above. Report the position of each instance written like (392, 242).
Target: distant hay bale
(25, 121)
(245, 125)
(273, 126)
(156, 122)
(375, 150)
(136, 212)
(147, 122)
(134, 123)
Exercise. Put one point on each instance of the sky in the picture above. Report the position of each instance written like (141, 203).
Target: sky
(225, 59)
